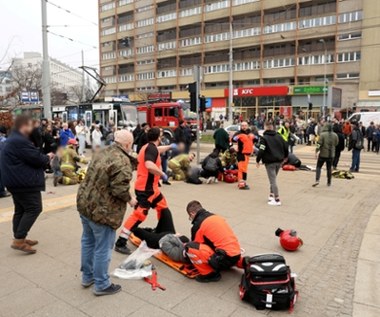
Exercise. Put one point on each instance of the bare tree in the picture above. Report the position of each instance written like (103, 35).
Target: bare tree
(75, 92)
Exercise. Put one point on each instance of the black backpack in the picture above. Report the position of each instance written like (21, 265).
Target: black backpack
(267, 283)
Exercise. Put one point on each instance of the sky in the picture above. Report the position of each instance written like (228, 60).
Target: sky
(20, 23)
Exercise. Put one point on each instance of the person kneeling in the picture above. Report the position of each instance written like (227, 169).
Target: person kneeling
(214, 247)
(180, 165)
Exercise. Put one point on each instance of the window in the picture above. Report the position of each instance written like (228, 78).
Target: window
(126, 27)
(167, 17)
(173, 112)
(349, 36)
(124, 2)
(348, 57)
(145, 8)
(145, 62)
(145, 22)
(145, 76)
(239, 2)
(217, 37)
(145, 35)
(315, 22)
(191, 41)
(350, 17)
(167, 46)
(145, 49)
(107, 6)
(344, 76)
(247, 32)
(190, 12)
(126, 77)
(186, 71)
(166, 73)
(126, 53)
(158, 112)
(221, 68)
(110, 55)
(108, 31)
(217, 5)
(110, 80)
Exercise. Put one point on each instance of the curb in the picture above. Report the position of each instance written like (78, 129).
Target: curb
(367, 283)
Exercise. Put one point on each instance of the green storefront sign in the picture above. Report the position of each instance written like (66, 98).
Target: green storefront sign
(308, 90)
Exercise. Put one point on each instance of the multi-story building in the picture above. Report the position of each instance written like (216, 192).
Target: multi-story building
(63, 76)
(283, 51)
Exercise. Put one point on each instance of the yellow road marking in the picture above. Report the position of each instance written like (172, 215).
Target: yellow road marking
(50, 204)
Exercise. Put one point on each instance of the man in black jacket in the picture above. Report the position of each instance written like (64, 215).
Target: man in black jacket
(273, 150)
(22, 170)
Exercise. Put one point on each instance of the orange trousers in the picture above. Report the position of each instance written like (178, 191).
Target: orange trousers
(243, 168)
(199, 254)
(145, 201)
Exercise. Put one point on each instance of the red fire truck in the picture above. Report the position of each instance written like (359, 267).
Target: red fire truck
(165, 115)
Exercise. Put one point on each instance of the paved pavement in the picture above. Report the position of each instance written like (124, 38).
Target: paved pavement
(331, 221)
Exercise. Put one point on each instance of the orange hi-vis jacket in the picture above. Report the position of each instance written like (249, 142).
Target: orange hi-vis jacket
(245, 143)
(146, 181)
(214, 231)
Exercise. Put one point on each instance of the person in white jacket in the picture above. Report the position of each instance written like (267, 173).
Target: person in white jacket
(96, 138)
(81, 131)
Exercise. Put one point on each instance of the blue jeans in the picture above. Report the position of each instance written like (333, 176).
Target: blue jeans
(97, 243)
(355, 160)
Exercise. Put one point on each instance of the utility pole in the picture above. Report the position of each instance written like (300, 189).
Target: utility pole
(83, 80)
(231, 72)
(45, 64)
(197, 79)
(324, 79)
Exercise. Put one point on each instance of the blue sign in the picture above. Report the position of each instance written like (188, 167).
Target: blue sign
(30, 97)
(208, 103)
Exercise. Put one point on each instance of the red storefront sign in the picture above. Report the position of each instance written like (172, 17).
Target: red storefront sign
(159, 95)
(259, 91)
(286, 111)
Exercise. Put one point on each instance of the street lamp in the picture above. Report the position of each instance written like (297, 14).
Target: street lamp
(324, 79)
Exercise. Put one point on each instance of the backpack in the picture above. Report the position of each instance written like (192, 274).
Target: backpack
(267, 283)
(211, 164)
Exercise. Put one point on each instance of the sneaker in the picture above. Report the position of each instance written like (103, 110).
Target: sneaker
(88, 284)
(270, 198)
(315, 184)
(274, 202)
(212, 277)
(110, 290)
(245, 187)
(123, 249)
(216, 180)
(209, 180)
(166, 183)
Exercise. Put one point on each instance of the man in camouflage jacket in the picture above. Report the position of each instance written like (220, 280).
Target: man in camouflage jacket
(101, 201)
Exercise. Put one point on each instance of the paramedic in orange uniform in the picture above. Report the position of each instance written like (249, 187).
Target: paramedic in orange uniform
(244, 139)
(214, 246)
(147, 190)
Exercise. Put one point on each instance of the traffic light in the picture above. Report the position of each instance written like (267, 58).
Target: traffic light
(192, 88)
(202, 104)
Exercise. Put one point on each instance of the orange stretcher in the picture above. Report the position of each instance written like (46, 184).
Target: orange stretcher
(185, 269)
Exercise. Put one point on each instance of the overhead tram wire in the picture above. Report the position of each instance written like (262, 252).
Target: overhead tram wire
(71, 39)
(72, 13)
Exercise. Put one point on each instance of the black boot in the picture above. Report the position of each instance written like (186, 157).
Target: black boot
(121, 246)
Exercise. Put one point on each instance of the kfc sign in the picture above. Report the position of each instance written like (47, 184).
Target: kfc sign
(259, 91)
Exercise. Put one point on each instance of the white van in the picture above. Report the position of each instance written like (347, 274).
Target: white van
(365, 117)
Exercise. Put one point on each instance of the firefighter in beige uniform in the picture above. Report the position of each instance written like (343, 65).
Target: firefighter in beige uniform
(68, 164)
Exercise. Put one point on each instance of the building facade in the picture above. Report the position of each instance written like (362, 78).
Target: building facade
(152, 46)
(63, 76)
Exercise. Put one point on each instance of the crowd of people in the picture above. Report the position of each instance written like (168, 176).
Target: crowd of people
(35, 147)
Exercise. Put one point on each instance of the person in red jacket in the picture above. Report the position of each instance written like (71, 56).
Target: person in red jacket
(244, 139)
(214, 246)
